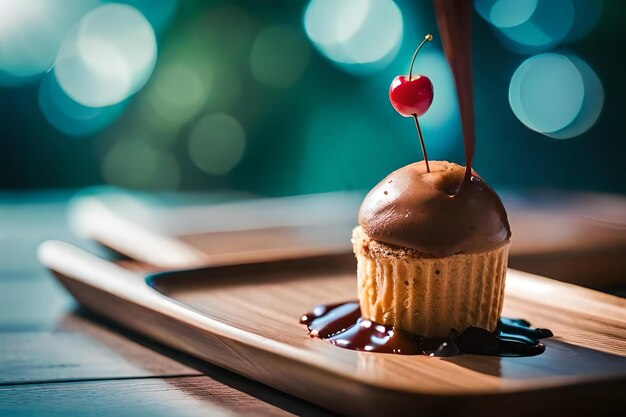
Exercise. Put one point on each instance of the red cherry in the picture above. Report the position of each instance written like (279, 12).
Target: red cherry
(411, 97)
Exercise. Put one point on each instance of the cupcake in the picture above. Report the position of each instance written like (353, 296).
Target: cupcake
(432, 250)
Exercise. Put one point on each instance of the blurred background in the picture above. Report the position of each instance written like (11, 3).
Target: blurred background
(286, 97)
(152, 126)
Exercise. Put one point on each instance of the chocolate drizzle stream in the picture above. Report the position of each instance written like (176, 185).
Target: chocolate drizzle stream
(454, 19)
(342, 325)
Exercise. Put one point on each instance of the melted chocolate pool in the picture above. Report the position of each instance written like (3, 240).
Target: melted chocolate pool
(343, 326)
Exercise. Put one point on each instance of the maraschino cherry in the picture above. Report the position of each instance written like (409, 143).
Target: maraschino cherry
(412, 96)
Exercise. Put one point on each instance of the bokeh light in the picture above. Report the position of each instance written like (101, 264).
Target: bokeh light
(529, 26)
(178, 91)
(31, 32)
(361, 36)
(217, 143)
(510, 13)
(279, 56)
(107, 57)
(546, 92)
(287, 101)
(555, 94)
(592, 103)
(183, 80)
(70, 117)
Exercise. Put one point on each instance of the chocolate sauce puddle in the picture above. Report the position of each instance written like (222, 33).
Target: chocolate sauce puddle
(342, 325)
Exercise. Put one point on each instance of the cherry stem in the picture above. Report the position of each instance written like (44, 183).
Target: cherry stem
(428, 38)
(419, 133)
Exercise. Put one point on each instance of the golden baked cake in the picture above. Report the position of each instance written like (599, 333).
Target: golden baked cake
(432, 250)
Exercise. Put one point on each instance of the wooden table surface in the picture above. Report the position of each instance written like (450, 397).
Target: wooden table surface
(58, 360)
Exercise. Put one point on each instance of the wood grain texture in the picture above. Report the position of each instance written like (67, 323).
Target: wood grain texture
(79, 350)
(244, 318)
(186, 397)
(45, 340)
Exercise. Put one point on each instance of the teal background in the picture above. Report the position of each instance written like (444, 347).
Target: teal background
(331, 130)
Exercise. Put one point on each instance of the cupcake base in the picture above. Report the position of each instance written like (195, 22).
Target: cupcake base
(425, 295)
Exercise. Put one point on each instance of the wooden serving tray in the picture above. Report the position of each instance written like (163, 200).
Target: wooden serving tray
(575, 237)
(245, 318)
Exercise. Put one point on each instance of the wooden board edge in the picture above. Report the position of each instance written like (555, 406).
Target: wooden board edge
(100, 296)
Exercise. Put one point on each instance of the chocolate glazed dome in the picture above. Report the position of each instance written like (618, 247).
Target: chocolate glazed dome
(436, 213)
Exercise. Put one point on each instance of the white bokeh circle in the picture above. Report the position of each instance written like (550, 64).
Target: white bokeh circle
(107, 57)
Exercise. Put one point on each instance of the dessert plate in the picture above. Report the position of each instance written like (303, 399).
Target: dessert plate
(245, 318)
